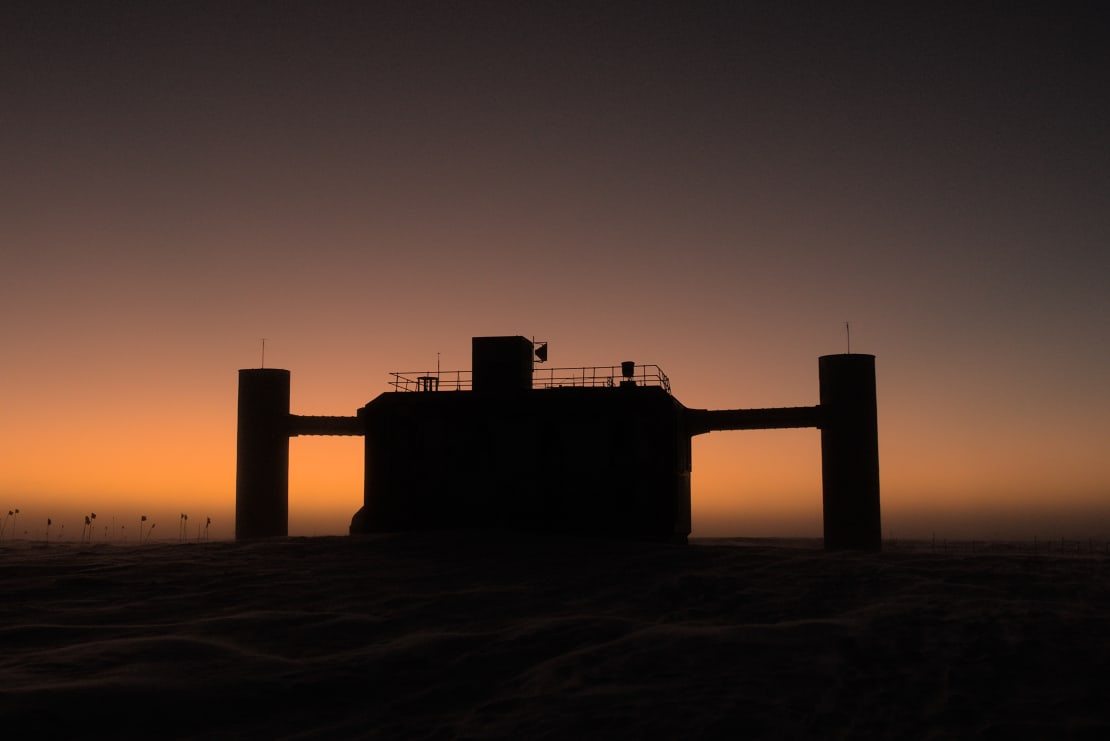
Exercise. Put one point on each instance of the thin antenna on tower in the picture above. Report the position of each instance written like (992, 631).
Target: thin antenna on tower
(263, 353)
(437, 365)
(848, 330)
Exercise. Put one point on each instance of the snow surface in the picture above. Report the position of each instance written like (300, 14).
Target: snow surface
(483, 636)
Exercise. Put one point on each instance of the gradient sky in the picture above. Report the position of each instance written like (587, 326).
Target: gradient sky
(712, 187)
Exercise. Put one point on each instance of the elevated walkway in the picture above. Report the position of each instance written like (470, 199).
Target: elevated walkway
(300, 424)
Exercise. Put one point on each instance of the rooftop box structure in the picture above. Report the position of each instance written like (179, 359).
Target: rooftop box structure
(501, 364)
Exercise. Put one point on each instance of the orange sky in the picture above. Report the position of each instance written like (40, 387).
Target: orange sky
(714, 191)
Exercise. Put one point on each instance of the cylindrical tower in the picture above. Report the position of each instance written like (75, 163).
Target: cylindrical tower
(850, 452)
(262, 460)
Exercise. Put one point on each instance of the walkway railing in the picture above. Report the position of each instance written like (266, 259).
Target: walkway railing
(597, 376)
(456, 380)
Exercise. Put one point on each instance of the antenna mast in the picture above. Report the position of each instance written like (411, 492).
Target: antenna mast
(263, 353)
(848, 330)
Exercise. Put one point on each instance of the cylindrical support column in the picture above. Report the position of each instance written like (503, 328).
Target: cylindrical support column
(262, 454)
(850, 452)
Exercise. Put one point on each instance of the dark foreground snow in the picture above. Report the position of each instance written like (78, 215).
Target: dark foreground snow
(495, 636)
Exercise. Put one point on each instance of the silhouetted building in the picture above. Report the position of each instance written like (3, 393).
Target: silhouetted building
(602, 450)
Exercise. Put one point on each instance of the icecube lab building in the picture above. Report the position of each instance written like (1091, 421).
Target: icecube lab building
(593, 451)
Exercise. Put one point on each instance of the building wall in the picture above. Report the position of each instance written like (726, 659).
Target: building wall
(607, 461)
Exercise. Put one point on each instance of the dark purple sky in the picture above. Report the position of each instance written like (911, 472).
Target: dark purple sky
(715, 187)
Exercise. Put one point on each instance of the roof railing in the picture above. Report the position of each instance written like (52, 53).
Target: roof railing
(456, 380)
(596, 376)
